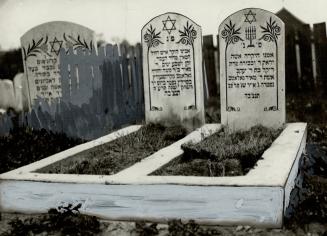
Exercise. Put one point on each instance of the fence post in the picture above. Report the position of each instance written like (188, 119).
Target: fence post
(217, 66)
(319, 34)
(209, 60)
(307, 81)
(139, 74)
(291, 74)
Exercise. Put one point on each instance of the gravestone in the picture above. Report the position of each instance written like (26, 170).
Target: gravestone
(252, 74)
(172, 70)
(41, 47)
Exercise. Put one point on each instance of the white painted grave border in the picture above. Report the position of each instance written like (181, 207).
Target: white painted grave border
(258, 198)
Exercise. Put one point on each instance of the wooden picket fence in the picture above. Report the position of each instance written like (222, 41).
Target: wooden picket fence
(101, 91)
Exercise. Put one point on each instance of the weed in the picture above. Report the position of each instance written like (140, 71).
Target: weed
(178, 228)
(65, 220)
(144, 229)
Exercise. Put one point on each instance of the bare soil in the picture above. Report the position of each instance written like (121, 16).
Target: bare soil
(112, 157)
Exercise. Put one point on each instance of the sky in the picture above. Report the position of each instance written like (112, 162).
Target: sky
(115, 20)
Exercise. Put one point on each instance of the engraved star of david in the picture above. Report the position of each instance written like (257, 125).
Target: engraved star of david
(56, 45)
(250, 17)
(169, 25)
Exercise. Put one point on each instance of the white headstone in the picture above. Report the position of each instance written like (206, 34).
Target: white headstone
(7, 94)
(21, 92)
(172, 68)
(40, 48)
(252, 74)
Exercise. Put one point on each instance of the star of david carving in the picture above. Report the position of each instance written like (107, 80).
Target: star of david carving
(56, 45)
(169, 25)
(250, 17)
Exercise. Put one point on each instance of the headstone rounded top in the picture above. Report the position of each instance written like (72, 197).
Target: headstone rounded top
(167, 14)
(250, 15)
(52, 25)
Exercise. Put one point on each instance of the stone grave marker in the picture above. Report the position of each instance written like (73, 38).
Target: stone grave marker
(252, 69)
(172, 68)
(40, 48)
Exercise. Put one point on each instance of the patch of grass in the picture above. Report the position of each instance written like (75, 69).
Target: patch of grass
(119, 154)
(222, 154)
(24, 145)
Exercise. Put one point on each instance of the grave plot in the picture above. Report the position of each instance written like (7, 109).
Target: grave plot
(174, 76)
(181, 61)
(103, 160)
(259, 197)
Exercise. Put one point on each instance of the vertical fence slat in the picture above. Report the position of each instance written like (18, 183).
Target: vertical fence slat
(139, 79)
(319, 33)
(125, 81)
(64, 75)
(306, 57)
(134, 85)
(291, 76)
(209, 60)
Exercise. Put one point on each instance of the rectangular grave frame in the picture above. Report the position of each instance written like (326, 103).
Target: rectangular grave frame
(259, 198)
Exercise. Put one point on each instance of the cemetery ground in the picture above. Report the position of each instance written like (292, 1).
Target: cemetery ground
(306, 215)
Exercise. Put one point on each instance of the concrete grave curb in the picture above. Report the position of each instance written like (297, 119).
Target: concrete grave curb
(259, 198)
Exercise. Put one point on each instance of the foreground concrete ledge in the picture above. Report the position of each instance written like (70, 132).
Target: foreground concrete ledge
(259, 198)
(262, 206)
